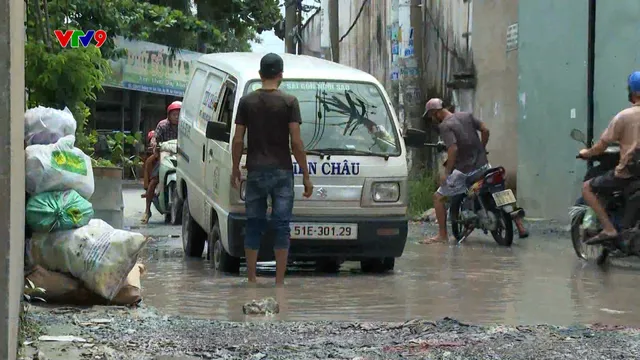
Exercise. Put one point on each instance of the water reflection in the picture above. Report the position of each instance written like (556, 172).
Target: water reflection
(535, 281)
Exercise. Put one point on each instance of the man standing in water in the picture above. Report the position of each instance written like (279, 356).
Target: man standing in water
(271, 119)
(466, 152)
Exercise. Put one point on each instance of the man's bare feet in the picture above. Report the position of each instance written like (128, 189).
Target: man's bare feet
(434, 240)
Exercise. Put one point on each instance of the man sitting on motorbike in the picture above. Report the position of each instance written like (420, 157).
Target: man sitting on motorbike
(466, 155)
(166, 130)
(625, 130)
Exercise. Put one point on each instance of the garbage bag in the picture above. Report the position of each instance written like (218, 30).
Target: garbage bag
(43, 125)
(59, 167)
(58, 210)
(96, 253)
(64, 289)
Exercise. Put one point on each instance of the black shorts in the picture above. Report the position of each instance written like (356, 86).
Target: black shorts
(608, 183)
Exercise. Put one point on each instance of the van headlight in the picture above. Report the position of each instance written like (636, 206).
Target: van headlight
(385, 192)
(243, 190)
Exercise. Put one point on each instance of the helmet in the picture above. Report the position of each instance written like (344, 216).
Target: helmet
(176, 105)
(634, 82)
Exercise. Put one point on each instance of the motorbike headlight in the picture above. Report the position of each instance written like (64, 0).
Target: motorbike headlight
(385, 192)
(243, 189)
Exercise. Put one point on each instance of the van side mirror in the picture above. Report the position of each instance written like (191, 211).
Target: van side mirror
(415, 138)
(218, 131)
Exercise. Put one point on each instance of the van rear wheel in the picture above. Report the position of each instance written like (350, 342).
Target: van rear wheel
(193, 237)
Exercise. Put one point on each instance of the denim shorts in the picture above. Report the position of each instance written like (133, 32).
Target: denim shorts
(277, 184)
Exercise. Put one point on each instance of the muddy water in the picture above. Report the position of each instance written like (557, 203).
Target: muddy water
(538, 280)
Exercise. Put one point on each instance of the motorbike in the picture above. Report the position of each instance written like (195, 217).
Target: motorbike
(623, 208)
(166, 199)
(487, 204)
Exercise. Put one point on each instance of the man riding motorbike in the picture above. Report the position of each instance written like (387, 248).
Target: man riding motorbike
(625, 130)
(166, 130)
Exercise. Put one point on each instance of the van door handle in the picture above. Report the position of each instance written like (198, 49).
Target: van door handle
(203, 151)
(211, 153)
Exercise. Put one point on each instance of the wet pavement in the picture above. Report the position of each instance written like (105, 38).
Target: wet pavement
(538, 280)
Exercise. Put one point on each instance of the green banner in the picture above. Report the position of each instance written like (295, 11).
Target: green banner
(151, 67)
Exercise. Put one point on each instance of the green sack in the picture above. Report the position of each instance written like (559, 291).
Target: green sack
(58, 210)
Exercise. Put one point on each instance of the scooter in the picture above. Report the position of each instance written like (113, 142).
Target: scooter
(166, 199)
(623, 208)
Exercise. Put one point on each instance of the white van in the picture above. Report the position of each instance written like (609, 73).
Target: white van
(356, 156)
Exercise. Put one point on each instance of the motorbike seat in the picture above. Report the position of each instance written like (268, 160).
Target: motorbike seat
(481, 175)
(632, 188)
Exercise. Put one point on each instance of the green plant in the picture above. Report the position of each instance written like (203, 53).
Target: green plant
(31, 291)
(116, 155)
(28, 328)
(421, 189)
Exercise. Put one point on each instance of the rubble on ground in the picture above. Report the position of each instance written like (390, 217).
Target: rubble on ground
(143, 333)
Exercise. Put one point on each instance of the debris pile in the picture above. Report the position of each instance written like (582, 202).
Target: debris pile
(73, 257)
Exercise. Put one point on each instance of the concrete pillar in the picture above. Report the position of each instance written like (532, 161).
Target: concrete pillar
(11, 172)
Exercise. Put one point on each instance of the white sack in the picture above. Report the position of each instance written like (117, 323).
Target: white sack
(99, 255)
(59, 167)
(44, 125)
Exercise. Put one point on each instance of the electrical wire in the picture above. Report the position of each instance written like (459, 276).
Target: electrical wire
(364, 2)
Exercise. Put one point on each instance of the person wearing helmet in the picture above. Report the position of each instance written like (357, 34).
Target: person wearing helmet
(624, 129)
(166, 130)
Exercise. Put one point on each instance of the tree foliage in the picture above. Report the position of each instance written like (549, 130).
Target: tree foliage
(72, 77)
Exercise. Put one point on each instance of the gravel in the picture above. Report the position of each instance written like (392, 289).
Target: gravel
(143, 333)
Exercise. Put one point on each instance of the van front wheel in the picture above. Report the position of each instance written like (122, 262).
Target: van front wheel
(378, 266)
(222, 261)
(193, 237)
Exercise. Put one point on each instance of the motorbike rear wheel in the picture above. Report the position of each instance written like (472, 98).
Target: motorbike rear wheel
(504, 223)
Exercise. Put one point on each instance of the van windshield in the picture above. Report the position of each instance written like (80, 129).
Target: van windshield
(342, 117)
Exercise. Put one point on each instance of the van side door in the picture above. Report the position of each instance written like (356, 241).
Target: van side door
(218, 167)
(201, 108)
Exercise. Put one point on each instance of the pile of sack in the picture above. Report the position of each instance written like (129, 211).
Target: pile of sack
(75, 258)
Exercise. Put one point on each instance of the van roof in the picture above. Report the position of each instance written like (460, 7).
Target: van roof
(247, 64)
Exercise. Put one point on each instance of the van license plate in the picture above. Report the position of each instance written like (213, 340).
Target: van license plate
(324, 231)
(504, 198)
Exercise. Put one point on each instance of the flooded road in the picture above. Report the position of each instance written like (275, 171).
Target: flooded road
(538, 280)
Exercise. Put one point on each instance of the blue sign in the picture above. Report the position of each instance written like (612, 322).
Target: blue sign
(395, 48)
(395, 76)
(408, 51)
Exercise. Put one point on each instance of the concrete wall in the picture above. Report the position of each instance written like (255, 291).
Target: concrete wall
(496, 97)
(445, 46)
(552, 62)
(367, 47)
(615, 59)
(553, 92)
(11, 172)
